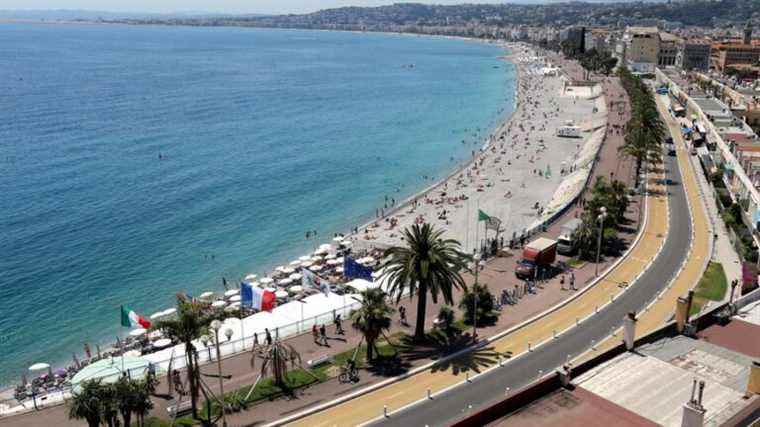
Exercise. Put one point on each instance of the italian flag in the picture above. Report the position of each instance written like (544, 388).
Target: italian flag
(130, 319)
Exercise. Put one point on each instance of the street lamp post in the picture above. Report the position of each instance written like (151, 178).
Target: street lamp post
(600, 219)
(216, 325)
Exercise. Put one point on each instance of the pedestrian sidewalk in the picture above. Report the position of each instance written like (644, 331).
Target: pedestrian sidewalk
(723, 250)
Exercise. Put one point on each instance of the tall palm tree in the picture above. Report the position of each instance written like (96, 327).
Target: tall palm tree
(86, 404)
(372, 318)
(427, 264)
(192, 321)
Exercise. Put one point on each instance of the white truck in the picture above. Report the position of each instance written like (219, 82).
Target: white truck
(567, 241)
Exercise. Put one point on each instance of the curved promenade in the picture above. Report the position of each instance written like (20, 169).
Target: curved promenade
(453, 395)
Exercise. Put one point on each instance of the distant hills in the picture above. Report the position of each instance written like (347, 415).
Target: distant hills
(411, 16)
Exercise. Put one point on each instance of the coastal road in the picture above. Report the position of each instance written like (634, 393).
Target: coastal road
(450, 404)
(701, 248)
(491, 387)
(520, 372)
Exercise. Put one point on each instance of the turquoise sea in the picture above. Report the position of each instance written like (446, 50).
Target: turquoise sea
(262, 135)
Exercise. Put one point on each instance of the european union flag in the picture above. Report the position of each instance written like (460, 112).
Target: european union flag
(354, 270)
(246, 294)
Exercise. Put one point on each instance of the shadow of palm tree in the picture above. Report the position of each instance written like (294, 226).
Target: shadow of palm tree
(438, 345)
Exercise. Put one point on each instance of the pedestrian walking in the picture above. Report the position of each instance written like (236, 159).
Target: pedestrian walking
(572, 281)
(339, 325)
(314, 333)
(323, 334)
(255, 339)
(268, 336)
(402, 315)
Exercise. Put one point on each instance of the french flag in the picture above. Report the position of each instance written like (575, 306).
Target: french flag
(254, 297)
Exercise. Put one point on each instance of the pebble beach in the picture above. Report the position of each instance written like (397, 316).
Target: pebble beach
(519, 170)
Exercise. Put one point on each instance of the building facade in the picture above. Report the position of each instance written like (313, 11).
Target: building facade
(694, 55)
(640, 49)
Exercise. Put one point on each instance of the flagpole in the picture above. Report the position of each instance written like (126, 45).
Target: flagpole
(477, 227)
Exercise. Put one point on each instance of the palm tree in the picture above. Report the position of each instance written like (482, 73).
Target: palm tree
(141, 404)
(86, 404)
(278, 358)
(192, 321)
(125, 395)
(428, 263)
(372, 318)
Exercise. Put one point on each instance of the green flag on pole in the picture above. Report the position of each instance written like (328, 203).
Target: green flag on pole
(482, 216)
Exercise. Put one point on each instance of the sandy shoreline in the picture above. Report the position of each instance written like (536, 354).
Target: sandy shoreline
(515, 173)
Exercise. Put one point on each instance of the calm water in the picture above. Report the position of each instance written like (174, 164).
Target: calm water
(265, 134)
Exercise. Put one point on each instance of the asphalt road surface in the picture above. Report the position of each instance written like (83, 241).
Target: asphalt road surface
(490, 388)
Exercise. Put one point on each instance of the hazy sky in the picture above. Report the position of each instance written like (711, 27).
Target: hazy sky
(225, 6)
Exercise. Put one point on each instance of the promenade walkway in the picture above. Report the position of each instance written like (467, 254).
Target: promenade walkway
(407, 391)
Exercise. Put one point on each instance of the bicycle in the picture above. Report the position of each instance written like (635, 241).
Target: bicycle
(348, 374)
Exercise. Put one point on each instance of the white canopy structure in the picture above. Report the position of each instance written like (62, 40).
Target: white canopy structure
(137, 332)
(232, 292)
(362, 285)
(111, 369)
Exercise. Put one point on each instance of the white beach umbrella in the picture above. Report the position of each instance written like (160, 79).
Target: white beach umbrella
(295, 263)
(333, 262)
(137, 332)
(315, 268)
(339, 259)
(235, 298)
(163, 342)
(217, 304)
(170, 311)
(155, 334)
(316, 259)
(270, 289)
(307, 264)
(295, 276)
(266, 280)
(39, 367)
(295, 289)
(338, 239)
(304, 258)
(251, 277)
(281, 294)
(346, 243)
(339, 269)
(157, 315)
(206, 294)
(232, 292)
(285, 282)
(331, 256)
(289, 270)
(281, 269)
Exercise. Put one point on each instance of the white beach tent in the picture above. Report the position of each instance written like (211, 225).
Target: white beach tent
(109, 370)
(361, 284)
